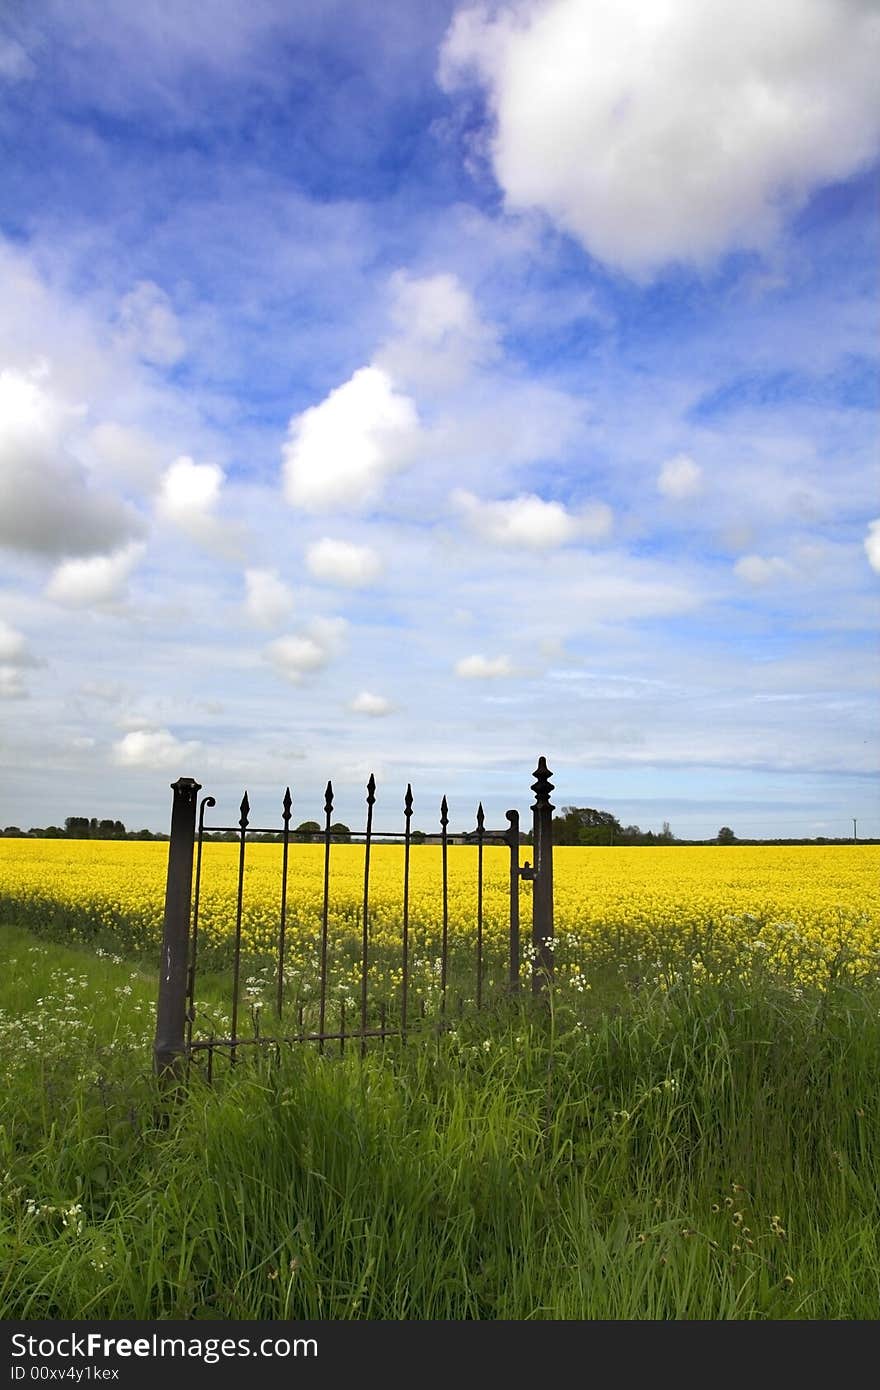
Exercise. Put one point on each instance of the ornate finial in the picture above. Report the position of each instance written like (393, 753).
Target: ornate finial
(480, 819)
(371, 790)
(287, 803)
(408, 802)
(328, 799)
(245, 808)
(542, 786)
(444, 813)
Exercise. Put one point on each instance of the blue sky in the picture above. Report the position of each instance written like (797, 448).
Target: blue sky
(421, 389)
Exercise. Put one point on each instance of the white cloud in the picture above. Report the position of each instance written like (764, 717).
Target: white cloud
(12, 686)
(189, 491)
(872, 545)
(97, 580)
(13, 646)
(680, 478)
(530, 521)
(269, 600)
(156, 749)
(299, 655)
(339, 562)
(439, 336)
(189, 496)
(373, 705)
(341, 452)
(483, 667)
(46, 505)
(758, 570)
(661, 132)
(148, 326)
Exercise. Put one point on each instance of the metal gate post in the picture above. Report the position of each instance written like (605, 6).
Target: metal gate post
(170, 1046)
(542, 888)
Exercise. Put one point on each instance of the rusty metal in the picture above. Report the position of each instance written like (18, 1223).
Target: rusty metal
(542, 891)
(286, 805)
(480, 835)
(194, 944)
(444, 822)
(371, 798)
(325, 906)
(404, 984)
(236, 966)
(396, 1018)
(169, 1047)
(512, 839)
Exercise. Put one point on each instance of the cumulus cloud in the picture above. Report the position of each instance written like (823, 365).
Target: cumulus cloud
(100, 579)
(483, 667)
(872, 545)
(269, 600)
(148, 327)
(14, 657)
(680, 478)
(339, 562)
(530, 521)
(760, 570)
(155, 749)
(188, 498)
(656, 133)
(46, 504)
(439, 337)
(341, 452)
(373, 705)
(300, 654)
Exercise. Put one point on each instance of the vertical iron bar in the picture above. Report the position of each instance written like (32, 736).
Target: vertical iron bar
(480, 822)
(371, 797)
(286, 803)
(542, 893)
(408, 805)
(512, 838)
(236, 967)
(169, 1045)
(322, 1006)
(444, 821)
(191, 984)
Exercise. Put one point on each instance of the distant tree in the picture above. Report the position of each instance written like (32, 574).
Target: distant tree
(311, 828)
(141, 834)
(341, 832)
(14, 832)
(666, 834)
(725, 836)
(418, 837)
(584, 825)
(77, 827)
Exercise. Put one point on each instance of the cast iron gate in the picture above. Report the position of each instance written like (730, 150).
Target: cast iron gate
(175, 1047)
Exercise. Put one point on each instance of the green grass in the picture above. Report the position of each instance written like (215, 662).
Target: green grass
(695, 1153)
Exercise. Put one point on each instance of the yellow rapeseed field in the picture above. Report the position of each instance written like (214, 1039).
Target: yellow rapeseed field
(801, 913)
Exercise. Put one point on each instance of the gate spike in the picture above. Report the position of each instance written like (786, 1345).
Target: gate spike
(444, 813)
(287, 803)
(408, 802)
(328, 799)
(542, 786)
(371, 790)
(480, 818)
(244, 808)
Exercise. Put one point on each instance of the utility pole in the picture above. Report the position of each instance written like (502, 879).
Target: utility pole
(855, 836)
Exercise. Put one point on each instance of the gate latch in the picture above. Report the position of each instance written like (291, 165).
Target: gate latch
(526, 871)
